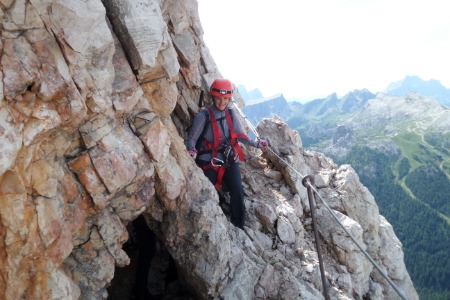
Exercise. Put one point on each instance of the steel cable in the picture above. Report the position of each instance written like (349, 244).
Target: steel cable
(374, 263)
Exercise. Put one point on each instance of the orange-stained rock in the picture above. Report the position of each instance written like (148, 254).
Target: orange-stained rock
(90, 180)
(80, 163)
(11, 183)
(69, 188)
(43, 178)
(76, 213)
(162, 96)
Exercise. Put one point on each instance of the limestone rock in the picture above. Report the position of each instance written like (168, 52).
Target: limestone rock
(140, 28)
(10, 141)
(126, 92)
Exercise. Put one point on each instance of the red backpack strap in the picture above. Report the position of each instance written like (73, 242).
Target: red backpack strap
(217, 136)
(220, 170)
(234, 136)
(217, 140)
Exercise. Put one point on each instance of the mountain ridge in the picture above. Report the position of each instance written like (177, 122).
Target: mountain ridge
(431, 88)
(411, 83)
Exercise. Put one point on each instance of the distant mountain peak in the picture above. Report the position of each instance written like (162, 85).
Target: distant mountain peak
(261, 100)
(258, 109)
(431, 88)
(334, 105)
(249, 95)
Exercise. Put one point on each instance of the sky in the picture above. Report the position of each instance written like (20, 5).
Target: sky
(309, 49)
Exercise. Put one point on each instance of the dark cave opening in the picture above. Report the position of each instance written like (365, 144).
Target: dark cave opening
(152, 272)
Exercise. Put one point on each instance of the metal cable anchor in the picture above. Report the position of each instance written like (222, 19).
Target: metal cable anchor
(312, 205)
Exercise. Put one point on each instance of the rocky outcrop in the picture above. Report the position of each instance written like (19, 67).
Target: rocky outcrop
(95, 96)
(342, 137)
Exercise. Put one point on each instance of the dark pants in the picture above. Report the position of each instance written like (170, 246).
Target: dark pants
(232, 179)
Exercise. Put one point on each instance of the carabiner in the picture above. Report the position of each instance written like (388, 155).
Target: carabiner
(221, 162)
(227, 151)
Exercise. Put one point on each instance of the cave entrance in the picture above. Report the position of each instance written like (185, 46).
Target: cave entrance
(152, 272)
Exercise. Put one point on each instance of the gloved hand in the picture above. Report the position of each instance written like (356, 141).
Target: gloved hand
(193, 153)
(263, 144)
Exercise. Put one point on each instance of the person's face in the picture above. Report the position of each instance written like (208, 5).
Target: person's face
(221, 102)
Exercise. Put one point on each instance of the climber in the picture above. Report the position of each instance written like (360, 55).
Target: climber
(213, 143)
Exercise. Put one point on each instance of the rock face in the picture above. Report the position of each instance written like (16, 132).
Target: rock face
(342, 136)
(256, 110)
(94, 99)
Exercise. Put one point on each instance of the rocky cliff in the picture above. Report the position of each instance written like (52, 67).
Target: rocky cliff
(256, 110)
(94, 99)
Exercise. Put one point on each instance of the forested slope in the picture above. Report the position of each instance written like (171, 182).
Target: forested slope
(425, 234)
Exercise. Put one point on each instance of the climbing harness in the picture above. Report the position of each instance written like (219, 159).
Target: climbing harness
(308, 183)
(230, 148)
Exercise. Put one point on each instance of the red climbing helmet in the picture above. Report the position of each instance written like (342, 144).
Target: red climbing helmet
(221, 88)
